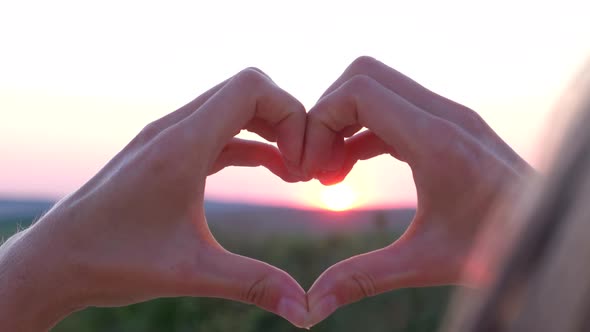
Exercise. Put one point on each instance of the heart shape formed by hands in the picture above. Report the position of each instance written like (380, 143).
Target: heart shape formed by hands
(146, 205)
(460, 167)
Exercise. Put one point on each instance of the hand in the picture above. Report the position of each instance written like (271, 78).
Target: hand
(461, 169)
(137, 230)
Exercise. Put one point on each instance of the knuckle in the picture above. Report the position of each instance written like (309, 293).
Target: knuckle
(364, 284)
(472, 121)
(266, 290)
(315, 113)
(362, 64)
(358, 83)
(149, 132)
(445, 135)
(338, 110)
(321, 115)
(158, 160)
(256, 69)
(257, 293)
(250, 77)
(299, 108)
(252, 68)
(162, 159)
(351, 285)
(456, 147)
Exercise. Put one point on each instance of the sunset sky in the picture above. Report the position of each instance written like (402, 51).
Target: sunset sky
(78, 80)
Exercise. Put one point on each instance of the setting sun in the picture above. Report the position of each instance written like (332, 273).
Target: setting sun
(338, 197)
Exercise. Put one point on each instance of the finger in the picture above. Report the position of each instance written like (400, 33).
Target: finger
(247, 96)
(194, 105)
(405, 128)
(154, 128)
(351, 280)
(263, 129)
(435, 104)
(350, 130)
(243, 279)
(362, 146)
(366, 145)
(410, 90)
(186, 110)
(412, 261)
(239, 152)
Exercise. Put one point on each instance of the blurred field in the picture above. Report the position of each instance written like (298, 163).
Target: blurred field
(304, 257)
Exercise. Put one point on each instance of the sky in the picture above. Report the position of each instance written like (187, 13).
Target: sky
(78, 80)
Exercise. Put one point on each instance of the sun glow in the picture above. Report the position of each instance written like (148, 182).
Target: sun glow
(339, 197)
(122, 76)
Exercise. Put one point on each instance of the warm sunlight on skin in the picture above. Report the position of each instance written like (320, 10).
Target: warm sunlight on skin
(339, 197)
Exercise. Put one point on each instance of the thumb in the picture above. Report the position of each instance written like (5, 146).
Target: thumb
(408, 262)
(231, 276)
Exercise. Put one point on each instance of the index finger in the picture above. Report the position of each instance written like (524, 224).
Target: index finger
(431, 102)
(409, 89)
(411, 132)
(249, 95)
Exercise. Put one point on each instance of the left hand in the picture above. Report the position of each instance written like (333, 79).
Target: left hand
(137, 230)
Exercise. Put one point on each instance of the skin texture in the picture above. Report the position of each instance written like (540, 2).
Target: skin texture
(461, 169)
(137, 230)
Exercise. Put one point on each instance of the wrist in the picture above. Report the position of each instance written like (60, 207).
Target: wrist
(37, 279)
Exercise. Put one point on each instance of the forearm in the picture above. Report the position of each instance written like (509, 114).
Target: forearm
(36, 283)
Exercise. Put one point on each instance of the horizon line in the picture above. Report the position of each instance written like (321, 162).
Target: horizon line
(275, 204)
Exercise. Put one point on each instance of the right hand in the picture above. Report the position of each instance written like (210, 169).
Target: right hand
(460, 169)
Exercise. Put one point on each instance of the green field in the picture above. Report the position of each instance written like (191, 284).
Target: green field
(406, 310)
(11, 226)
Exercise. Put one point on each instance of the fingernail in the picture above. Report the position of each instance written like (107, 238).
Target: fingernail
(320, 311)
(292, 311)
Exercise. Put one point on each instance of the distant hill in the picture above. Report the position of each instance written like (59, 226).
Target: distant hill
(229, 217)
(239, 218)
(18, 209)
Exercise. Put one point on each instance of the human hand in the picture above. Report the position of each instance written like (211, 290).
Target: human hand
(138, 231)
(461, 169)
(117, 228)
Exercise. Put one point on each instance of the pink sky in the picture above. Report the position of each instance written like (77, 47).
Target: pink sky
(74, 90)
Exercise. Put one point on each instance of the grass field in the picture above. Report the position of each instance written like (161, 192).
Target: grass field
(11, 226)
(406, 310)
